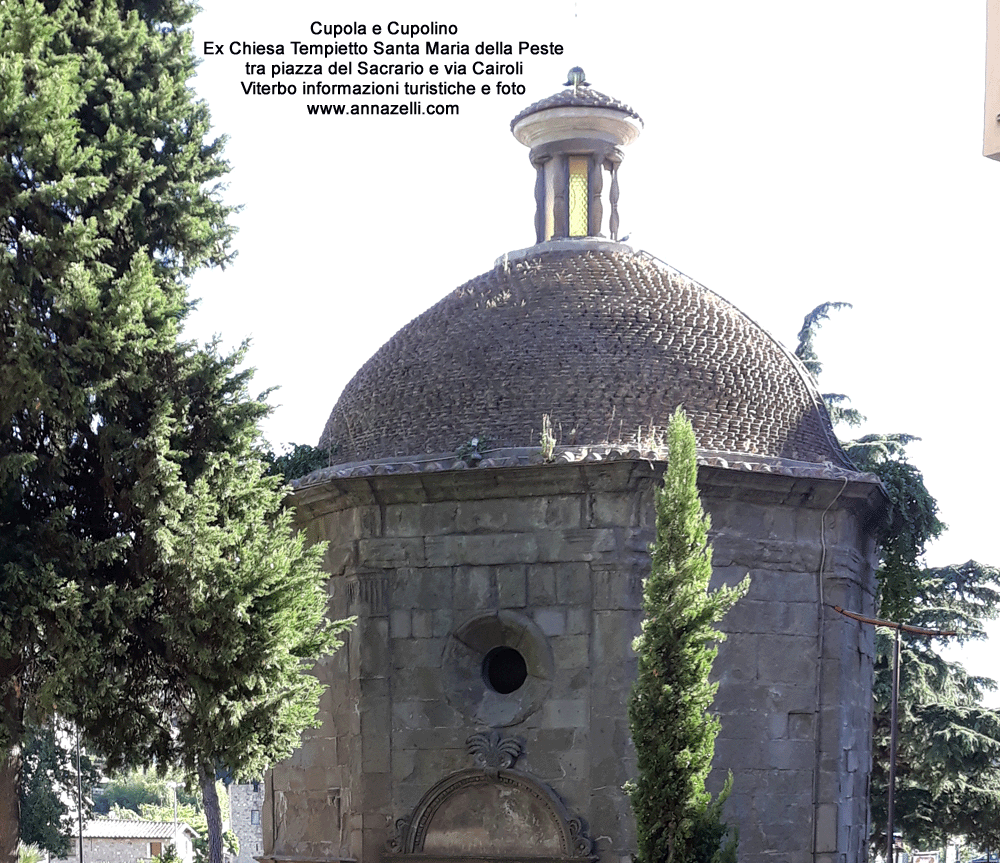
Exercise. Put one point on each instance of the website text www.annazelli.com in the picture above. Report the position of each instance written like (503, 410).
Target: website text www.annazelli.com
(358, 110)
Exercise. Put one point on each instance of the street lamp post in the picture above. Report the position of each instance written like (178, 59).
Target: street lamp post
(79, 793)
(893, 732)
(173, 788)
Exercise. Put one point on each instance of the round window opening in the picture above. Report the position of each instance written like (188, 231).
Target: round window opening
(504, 670)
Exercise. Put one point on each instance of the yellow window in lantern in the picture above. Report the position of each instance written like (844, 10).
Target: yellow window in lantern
(578, 167)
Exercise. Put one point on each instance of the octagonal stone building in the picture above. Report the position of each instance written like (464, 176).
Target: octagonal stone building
(489, 525)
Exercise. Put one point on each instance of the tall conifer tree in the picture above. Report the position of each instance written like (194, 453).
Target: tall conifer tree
(212, 674)
(137, 536)
(948, 748)
(104, 212)
(948, 742)
(676, 819)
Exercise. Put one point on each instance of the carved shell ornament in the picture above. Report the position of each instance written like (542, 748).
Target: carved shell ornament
(491, 751)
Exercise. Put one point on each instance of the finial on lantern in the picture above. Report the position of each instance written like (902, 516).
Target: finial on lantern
(577, 78)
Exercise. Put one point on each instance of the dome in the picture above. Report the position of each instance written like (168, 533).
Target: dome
(576, 97)
(605, 341)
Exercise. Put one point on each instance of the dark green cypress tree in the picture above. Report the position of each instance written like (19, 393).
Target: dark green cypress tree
(210, 674)
(674, 735)
(104, 212)
(127, 485)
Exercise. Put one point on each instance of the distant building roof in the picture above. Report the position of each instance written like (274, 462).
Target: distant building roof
(107, 829)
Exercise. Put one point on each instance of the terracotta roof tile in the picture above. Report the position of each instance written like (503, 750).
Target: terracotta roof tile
(607, 343)
(99, 828)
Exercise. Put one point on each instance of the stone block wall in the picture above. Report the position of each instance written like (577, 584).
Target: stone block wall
(550, 559)
(113, 850)
(246, 804)
(121, 849)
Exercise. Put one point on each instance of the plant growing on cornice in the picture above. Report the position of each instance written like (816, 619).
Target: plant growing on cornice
(548, 439)
(677, 821)
(649, 438)
(473, 450)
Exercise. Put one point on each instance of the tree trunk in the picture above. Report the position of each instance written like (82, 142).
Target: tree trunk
(12, 716)
(10, 808)
(213, 814)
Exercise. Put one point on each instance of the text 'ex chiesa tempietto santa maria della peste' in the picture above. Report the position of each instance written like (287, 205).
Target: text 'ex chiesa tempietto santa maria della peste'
(478, 709)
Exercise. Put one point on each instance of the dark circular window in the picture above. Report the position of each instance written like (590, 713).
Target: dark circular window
(504, 670)
(497, 668)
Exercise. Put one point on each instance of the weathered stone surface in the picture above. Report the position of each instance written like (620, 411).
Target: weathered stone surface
(481, 549)
(574, 585)
(616, 589)
(511, 586)
(428, 588)
(444, 567)
(391, 552)
(475, 587)
(411, 653)
(542, 586)
(552, 621)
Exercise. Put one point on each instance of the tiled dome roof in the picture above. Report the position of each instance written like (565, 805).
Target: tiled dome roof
(607, 343)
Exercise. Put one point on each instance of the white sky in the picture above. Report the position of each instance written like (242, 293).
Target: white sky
(793, 153)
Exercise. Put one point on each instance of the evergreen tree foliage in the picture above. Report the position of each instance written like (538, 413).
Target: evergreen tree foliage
(913, 519)
(151, 588)
(132, 790)
(838, 407)
(215, 664)
(676, 819)
(912, 524)
(107, 205)
(806, 348)
(948, 749)
(296, 460)
(49, 789)
(947, 783)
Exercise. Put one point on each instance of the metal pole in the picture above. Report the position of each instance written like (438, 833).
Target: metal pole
(894, 730)
(898, 627)
(79, 792)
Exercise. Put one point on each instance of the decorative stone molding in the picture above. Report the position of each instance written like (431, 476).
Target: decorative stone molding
(397, 844)
(438, 827)
(463, 680)
(493, 752)
(370, 590)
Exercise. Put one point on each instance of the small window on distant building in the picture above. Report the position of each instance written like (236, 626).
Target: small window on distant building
(155, 849)
(255, 816)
